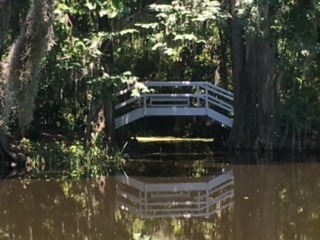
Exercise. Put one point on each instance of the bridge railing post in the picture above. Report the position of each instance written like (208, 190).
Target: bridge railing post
(198, 98)
(207, 102)
(144, 104)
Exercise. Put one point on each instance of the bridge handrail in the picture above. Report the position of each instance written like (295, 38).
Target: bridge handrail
(173, 95)
(179, 84)
(160, 84)
(126, 102)
(213, 100)
(220, 103)
(146, 95)
(124, 91)
(211, 85)
(220, 91)
(198, 94)
(172, 84)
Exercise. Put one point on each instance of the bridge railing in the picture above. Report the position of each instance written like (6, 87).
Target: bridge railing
(218, 100)
(177, 94)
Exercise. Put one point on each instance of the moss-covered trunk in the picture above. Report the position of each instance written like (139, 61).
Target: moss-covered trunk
(4, 20)
(20, 72)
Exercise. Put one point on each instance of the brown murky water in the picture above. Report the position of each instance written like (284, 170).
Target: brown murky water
(236, 202)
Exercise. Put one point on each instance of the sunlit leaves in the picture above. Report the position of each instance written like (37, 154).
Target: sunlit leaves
(170, 51)
(109, 8)
(108, 84)
(91, 6)
(139, 88)
(164, 8)
(128, 31)
(147, 25)
(182, 22)
(159, 45)
(189, 37)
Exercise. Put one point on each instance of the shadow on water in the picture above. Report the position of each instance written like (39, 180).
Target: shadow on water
(208, 196)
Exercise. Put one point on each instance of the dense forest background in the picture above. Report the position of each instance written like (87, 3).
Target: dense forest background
(62, 61)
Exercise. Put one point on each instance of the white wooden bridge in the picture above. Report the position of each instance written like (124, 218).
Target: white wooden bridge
(175, 99)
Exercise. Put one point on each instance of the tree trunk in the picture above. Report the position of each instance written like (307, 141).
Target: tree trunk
(265, 79)
(107, 58)
(109, 129)
(4, 19)
(242, 133)
(179, 126)
(10, 155)
(254, 83)
(20, 74)
(223, 69)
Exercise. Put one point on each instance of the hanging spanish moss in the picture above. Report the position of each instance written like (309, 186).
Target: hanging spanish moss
(4, 13)
(20, 72)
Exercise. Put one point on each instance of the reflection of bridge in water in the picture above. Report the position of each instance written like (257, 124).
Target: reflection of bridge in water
(175, 197)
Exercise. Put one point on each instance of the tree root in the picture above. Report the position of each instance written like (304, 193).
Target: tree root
(10, 155)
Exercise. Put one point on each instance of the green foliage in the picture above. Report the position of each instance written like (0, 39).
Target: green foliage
(102, 46)
(298, 110)
(90, 61)
(184, 33)
(296, 30)
(75, 161)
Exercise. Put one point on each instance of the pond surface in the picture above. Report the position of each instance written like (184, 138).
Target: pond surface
(210, 198)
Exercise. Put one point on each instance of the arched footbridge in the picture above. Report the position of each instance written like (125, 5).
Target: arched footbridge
(175, 99)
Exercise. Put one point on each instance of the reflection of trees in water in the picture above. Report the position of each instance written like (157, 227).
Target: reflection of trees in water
(40, 209)
(254, 207)
(85, 209)
(271, 202)
(277, 202)
(214, 227)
